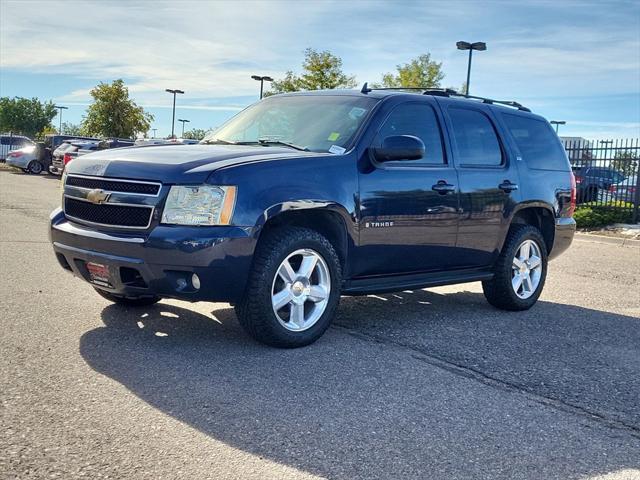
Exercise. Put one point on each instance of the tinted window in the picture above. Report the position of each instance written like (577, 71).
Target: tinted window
(537, 142)
(5, 140)
(419, 120)
(475, 138)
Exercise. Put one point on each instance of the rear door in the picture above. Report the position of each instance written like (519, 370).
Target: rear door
(408, 209)
(488, 181)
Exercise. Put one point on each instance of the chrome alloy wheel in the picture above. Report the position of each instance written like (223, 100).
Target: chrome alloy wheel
(526, 269)
(300, 290)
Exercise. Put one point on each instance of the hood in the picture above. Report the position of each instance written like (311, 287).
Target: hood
(174, 163)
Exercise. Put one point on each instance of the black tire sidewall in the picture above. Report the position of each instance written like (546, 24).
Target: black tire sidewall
(31, 169)
(277, 334)
(499, 290)
(534, 235)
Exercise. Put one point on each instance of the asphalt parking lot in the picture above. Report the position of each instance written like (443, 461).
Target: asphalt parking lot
(431, 384)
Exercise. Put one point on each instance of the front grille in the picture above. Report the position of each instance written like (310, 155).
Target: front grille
(114, 185)
(108, 214)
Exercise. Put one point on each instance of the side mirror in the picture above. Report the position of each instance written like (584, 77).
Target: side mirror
(399, 147)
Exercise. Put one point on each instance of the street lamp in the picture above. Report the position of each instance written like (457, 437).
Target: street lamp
(59, 107)
(183, 122)
(556, 123)
(480, 46)
(262, 79)
(173, 117)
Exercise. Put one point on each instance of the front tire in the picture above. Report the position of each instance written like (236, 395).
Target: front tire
(293, 289)
(520, 271)
(128, 301)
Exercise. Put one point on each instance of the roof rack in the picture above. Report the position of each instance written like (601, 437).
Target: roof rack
(449, 92)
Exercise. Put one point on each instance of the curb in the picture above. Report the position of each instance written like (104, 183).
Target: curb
(623, 242)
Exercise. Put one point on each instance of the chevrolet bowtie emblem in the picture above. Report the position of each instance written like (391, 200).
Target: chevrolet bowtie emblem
(97, 196)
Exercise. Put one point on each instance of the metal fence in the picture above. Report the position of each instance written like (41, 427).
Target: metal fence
(606, 174)
(11, 141)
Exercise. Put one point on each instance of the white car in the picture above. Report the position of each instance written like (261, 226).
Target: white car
(624, 191)
(26, 158)
(10, 143)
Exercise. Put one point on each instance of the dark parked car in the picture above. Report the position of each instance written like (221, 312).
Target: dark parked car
(71, 149)
(305, 197)
(53, 141)
(591, 180)
(67, 151)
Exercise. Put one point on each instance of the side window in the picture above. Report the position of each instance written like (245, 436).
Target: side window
(537, 142)
(475, 138)
(5, 141)
(419, 120)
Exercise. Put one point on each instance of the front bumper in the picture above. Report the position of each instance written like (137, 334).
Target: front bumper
(565, 230)
(160, 262)
(57, 166)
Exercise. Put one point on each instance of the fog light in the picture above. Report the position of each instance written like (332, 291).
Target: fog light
(195, 281)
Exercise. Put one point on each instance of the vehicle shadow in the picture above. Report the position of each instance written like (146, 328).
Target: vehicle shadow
(348, 407)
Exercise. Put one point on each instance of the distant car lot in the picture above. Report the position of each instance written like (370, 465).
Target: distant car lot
(423, 384)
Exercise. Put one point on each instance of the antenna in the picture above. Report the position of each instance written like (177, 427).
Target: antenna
(365, 88)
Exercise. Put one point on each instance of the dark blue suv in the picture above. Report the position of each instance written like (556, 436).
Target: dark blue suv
(304, 197)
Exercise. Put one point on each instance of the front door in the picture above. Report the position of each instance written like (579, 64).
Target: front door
(408, 210)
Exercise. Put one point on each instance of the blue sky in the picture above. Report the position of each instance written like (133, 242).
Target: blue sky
(574, 61)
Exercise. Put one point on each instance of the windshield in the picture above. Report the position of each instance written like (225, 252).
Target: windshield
(318, 123)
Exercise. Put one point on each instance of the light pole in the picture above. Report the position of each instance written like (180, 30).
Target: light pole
(262, 79)
(480, 46)
(173, 116)
(59, 107)
(183, 122)
(556, 123)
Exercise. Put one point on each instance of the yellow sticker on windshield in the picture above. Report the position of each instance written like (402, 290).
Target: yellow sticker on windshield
(333, 136)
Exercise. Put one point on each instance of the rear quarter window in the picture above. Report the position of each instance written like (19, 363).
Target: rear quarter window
(537, 142)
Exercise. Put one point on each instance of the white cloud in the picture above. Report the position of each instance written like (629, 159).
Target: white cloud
(210, 49)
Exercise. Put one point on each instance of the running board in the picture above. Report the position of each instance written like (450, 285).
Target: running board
(395, 283)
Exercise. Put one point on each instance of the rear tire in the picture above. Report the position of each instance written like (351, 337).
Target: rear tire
(128, 301)
(293, 289)
(520, 271)
(35, 167)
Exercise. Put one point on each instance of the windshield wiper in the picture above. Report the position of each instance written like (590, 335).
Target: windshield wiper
(218, 141)
(261, 141)
(271, 141)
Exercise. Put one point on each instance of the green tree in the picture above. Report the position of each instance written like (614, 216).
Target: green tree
(114, 114)
(72, 129)
(419, 72)
(25, 116)
(625, 162)
(321, 70)
(195, 133)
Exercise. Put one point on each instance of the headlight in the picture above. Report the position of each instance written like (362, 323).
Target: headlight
(199, 205)
(63, 180)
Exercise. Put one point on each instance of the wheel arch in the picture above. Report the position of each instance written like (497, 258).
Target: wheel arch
(539, 215)
(327, 218)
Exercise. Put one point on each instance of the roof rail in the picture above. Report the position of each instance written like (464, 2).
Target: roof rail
(449, 92)
(452, 93)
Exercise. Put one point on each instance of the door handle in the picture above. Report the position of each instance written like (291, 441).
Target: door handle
(507, 186)
(443, 187)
